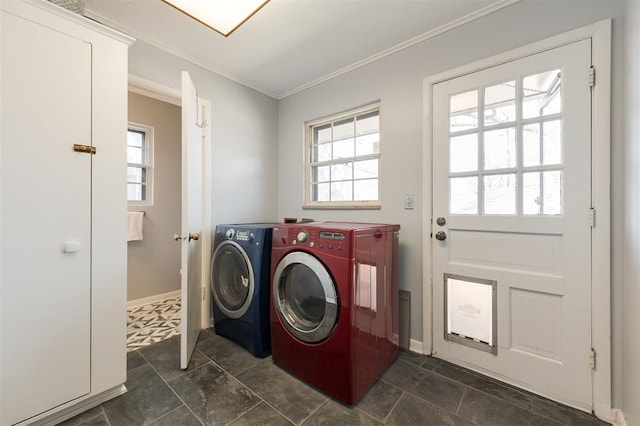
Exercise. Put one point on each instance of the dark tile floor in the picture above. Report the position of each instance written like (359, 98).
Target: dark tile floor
(225, 385)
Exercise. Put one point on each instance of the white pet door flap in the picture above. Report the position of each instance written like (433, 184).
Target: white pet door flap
(470, 312)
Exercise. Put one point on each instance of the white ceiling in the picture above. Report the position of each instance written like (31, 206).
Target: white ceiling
(290, 45)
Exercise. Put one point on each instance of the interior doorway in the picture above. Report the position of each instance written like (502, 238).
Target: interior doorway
(154, 193)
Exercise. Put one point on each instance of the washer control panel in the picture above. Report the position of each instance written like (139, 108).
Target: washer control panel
(243, 235)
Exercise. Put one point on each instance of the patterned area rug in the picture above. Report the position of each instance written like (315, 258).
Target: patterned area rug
(152, 323)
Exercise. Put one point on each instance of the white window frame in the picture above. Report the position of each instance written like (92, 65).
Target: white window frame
(309, 203)
(147, 165)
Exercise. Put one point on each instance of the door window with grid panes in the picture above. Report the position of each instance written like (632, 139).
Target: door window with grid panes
(343, 154)
(139, 163)
(505, 147)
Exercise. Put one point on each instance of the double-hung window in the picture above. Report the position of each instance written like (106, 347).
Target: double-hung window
(343, 154)
(139, 164)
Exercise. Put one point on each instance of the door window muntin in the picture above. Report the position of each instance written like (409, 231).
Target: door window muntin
(506, 145)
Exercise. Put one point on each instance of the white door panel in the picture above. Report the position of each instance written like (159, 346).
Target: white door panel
(511, 177)
(192, 219)
(45, 198)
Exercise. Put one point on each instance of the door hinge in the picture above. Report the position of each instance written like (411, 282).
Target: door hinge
(592, 217)
(592, 76)
(592, 359)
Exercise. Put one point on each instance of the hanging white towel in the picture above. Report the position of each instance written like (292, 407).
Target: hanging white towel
(134, 231)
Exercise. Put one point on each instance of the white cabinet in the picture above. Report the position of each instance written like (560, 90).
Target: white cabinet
(62, 212)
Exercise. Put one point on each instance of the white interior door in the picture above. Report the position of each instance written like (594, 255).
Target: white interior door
(192, 221)
(512, 227)
(45, 219)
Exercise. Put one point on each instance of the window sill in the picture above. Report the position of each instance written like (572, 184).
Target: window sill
(139, 203)
(363, 206)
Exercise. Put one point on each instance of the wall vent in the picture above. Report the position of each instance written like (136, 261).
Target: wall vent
(76, 6)
(404, 323)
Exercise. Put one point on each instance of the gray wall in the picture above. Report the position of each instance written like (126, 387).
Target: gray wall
(244, 136)
(154, 263)
(630, 311)
(397, 81)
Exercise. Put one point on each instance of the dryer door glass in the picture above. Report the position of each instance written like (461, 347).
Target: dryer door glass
(231, 279)
(305, 296)
(302, 290)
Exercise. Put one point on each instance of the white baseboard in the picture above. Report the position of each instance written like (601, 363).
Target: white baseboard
(74, 410)
(618, 418)
(152, 299)
(415, 346)
(395, 339)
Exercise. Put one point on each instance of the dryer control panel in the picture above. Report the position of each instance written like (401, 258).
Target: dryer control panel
(325, 235)
(311, 238)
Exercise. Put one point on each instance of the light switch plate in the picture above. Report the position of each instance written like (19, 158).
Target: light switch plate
(408, 202)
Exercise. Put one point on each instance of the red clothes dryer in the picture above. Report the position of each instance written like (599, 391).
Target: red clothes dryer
(334, 307)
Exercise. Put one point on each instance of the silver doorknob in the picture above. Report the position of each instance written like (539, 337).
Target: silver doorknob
(441, 236)
(177, 237)
(441, 221)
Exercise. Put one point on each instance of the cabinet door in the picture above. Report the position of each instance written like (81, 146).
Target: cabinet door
(45, 219)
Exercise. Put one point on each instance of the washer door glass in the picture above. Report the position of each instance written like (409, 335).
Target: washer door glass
(305, 297)
(231, 279)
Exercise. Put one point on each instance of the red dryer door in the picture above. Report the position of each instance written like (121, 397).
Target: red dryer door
(305, 297)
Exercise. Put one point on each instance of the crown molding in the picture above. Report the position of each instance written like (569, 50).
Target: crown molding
(501, 4)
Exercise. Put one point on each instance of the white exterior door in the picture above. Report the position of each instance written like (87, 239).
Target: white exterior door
(45, 219)
(511, 207)
(192, 221)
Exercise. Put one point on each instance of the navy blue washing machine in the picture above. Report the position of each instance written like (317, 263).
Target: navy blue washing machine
(240, 269)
